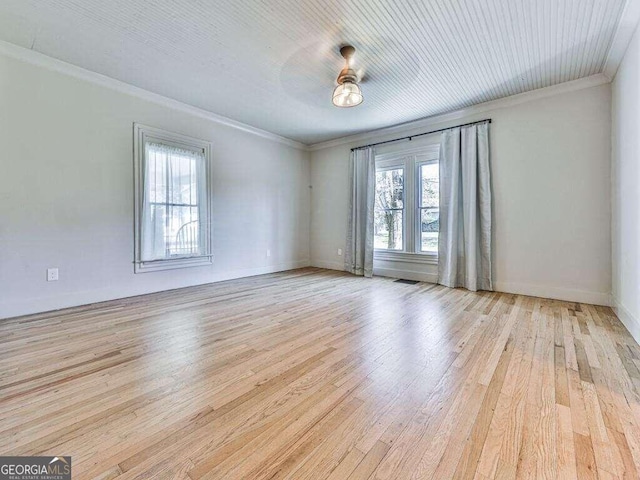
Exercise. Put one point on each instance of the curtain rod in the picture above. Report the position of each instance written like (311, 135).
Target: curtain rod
(409, 137)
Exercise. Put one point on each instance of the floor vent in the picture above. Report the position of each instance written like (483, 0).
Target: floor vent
(408, 282)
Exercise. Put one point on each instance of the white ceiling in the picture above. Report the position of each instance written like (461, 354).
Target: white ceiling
(272, 63)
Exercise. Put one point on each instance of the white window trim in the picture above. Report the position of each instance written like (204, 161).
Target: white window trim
(407, 160)
(141, 135)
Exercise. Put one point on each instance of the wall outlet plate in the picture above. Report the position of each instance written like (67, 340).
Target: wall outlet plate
(339, 252)
(52, 274)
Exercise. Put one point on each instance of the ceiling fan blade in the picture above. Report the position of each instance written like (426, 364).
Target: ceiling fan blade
(362, 75)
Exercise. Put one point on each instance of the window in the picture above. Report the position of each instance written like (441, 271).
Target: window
(172, 200)
(406, 214)
(389, 209)
(428, 211)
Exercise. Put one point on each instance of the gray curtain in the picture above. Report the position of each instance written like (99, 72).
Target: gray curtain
(358, 258)
(464, 246)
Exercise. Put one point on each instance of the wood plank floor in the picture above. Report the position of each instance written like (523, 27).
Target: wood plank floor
(315, 374)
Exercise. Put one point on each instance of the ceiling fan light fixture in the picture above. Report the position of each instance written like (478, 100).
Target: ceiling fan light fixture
(347, 93)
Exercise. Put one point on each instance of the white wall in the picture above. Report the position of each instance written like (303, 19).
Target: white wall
(626, 188)
(66, 194)
(551, 185)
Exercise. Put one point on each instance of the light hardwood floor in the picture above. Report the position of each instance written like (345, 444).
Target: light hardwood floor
(316, 374)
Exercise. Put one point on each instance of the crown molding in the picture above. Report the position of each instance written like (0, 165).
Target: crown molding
(627, 26)
(429, 122)
(41, 60)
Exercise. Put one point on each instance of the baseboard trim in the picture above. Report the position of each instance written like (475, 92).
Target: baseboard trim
(556, 293)
(626, 317)
(542, 291)
(406, 274)
(327, 265)
(59, 302)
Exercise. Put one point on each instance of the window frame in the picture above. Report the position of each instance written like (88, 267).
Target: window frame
(408, 159)
(143, 134)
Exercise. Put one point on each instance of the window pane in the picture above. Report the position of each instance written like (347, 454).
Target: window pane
(388, 209)
(429, 185)
(182, 234)
(388, 229)
(156, 170)
(429, 227)
(390, 189)
(182, 179)
(153, 236)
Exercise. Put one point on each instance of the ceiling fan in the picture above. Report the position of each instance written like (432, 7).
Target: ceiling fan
(347, 93)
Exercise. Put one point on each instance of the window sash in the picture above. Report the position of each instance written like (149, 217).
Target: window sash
(387, 167)
(420, 204)
(171, 229)
(168, 204)
(421, 199)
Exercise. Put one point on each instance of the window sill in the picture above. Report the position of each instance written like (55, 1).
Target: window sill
(423, 258)
(172, 263)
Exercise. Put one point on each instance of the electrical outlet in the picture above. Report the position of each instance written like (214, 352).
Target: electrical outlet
(339, 252)
(268, 252)
(52, 274)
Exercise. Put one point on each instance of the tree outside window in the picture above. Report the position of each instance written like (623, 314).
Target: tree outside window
(389, 206)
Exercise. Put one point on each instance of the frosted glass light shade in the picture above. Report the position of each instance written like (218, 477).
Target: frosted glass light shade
(347, 94)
